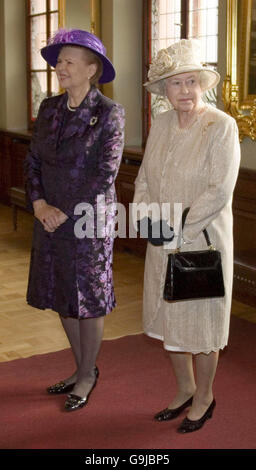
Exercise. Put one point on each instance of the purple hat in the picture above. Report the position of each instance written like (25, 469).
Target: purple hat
(78, 37)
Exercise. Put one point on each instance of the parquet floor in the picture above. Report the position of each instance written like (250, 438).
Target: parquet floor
(25, 331)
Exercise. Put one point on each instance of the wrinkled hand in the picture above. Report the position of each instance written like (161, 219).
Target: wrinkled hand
(50, 217)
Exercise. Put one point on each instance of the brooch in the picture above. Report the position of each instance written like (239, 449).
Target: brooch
(93, 120)
(206, 127)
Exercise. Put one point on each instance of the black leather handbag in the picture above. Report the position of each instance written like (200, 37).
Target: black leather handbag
(194, 274)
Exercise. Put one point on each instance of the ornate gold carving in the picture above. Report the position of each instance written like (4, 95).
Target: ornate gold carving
(62, 13)
(233, 93)
(95, 17)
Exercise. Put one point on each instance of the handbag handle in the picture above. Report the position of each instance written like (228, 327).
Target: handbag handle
(206, 235)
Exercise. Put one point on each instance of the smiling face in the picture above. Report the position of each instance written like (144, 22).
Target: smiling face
(74, 68)
(184, 91)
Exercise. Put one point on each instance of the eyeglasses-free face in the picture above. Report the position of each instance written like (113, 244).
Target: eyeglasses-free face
(184, 91)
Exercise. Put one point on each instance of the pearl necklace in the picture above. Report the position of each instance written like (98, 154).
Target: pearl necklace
(71, 109)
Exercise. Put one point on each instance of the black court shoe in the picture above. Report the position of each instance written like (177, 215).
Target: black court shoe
(74, 402)
(167, 413)
(189, 425)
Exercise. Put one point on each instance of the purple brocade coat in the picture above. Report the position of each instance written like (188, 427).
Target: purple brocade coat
(73, 158)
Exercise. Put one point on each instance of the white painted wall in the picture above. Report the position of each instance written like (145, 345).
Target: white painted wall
(78, 14)
(123, 38)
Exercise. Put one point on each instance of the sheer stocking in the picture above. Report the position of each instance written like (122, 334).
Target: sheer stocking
(182, 364)
(206, 365)
(91, 332)
(201, 389)
(72, 330)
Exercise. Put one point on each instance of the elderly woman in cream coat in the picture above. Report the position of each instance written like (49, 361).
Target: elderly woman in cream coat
(192, 157)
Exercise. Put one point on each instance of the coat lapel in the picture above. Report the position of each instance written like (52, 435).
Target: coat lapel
(55, 116)
(86, 115)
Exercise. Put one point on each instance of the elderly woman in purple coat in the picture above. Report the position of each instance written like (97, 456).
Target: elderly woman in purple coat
(74, 158)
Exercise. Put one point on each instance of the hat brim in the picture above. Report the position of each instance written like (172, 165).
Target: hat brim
(157, 86)
(51, 52)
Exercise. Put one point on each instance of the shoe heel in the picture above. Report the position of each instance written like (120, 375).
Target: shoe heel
(211, 410)
(97, 372)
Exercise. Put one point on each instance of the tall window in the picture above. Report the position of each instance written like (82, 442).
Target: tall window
(167, 22)
(43, 19)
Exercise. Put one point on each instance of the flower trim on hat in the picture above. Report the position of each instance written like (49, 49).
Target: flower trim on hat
(160, 65)
(186, 52)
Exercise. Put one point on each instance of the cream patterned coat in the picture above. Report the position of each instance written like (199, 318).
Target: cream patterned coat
(197, 167)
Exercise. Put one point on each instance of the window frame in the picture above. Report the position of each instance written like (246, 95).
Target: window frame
(48, 69)
(146, 97)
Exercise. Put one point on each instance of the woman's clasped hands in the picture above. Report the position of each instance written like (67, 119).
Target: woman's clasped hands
(50, 217)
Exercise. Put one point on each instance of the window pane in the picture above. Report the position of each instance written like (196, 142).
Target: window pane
(162, 26)
(197, 23)
(203, 24)
(177, 27)
(38, 40)
(177, 5)
(203, 42)
(37, 6)
(205, 3)
(170, 26)
(173, 6)
(162, 44)
(166, 29)
(54, 84)
(166, 23)
(212, 21)
(39, 90)
(196, 4)
(211, 49)
(162, 7)
(54, 22)
(54, 5)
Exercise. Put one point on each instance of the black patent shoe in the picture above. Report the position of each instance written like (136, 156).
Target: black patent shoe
(60, 387)
(167, 413)
(189, 425)
(74, 402)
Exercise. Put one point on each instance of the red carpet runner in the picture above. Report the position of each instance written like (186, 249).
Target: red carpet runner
(135, 382)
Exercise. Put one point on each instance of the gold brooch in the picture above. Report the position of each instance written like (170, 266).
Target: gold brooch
(93, 121)
(206, 127)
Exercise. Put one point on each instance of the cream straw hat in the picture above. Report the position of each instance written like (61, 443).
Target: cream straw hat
(183, 56)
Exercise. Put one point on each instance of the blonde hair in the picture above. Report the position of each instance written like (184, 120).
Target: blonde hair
(94, 59)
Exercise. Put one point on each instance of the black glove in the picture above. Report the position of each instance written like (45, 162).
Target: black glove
(151, 231)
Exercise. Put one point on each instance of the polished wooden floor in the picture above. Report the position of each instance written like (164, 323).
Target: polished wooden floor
(25, 331)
